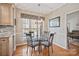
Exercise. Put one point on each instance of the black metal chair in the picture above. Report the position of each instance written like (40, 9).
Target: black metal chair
(48, 42)
(31, 42)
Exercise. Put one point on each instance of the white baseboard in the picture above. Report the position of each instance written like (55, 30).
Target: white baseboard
(60, 45)
(53, 42)
(21, 44)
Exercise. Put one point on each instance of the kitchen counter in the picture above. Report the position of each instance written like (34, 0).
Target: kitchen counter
(6, 34)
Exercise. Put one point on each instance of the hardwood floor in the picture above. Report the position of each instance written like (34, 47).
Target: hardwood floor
(57, 51)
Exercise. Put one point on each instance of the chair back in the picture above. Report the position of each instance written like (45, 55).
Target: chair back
(28, 37)
(51, 38)
(45, 36)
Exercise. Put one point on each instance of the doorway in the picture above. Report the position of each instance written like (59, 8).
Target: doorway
(73, 30)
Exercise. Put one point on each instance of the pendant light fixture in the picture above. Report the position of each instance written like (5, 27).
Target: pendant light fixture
(37, 22)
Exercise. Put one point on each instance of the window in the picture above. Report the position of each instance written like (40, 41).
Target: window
(31, 25)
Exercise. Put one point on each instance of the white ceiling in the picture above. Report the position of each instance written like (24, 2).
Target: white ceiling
(44, 8)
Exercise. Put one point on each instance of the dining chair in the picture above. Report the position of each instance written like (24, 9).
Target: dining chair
(48, 42)
(31, 42)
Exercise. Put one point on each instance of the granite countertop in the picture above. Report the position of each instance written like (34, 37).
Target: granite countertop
(6, 34)
(6, 30)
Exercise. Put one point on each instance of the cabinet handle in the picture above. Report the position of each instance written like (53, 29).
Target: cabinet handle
(3, 40)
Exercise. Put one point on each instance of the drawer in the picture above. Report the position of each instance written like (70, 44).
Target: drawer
(3, 39)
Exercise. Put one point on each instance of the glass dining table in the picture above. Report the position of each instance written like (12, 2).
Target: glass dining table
(40, 40)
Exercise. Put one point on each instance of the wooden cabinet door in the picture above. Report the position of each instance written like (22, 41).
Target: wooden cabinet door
(0, 14)
(0, 47)
(4, 47)
(5, 15)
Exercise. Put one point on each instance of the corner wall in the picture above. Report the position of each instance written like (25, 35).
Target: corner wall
(61, 32)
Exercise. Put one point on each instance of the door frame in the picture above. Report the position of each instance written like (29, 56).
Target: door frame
(73, 11)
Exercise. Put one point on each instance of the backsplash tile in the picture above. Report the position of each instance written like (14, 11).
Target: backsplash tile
(6, 28)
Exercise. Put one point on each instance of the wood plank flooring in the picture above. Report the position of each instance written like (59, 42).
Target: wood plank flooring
(57, 51)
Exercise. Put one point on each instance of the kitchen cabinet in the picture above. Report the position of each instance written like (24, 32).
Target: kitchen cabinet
(7, 14)
(6, 46)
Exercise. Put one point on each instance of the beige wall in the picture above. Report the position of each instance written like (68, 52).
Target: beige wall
(61, 32)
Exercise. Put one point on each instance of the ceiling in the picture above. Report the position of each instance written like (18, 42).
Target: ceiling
(42, 8)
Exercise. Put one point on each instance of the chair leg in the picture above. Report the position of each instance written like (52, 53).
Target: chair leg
(40, 50)
(34, 50)
(27, 50)
(48, 52)
(31, 51)
(52, 48)
(44, 49)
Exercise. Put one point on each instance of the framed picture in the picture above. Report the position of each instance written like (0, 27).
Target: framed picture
(54, 22)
